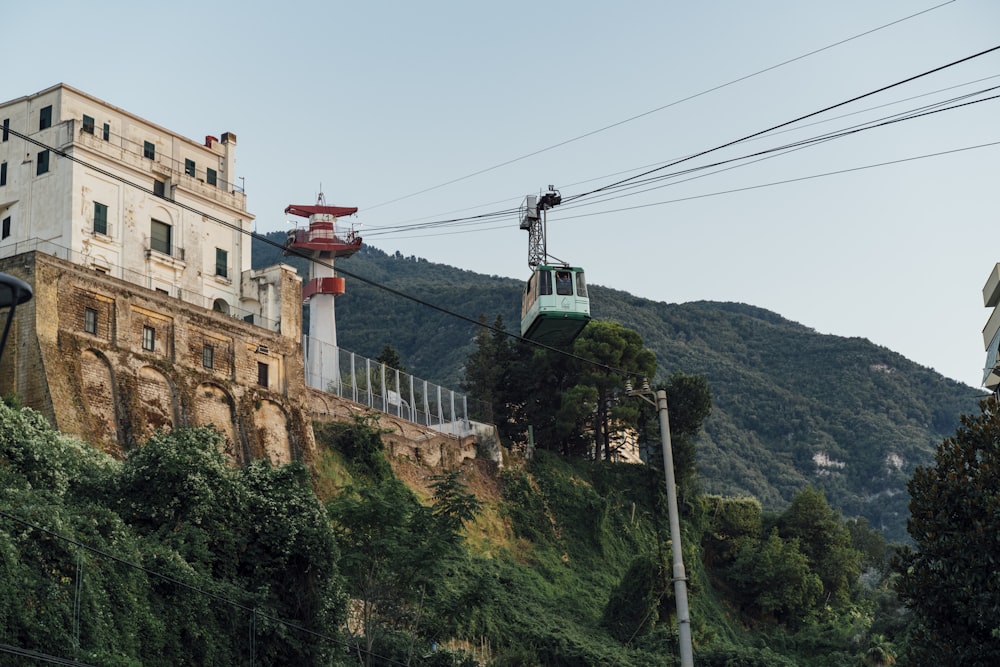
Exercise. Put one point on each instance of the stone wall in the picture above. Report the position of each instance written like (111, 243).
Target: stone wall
(111, 362)
(404, 439)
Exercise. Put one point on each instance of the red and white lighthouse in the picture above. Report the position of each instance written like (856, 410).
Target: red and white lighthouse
(323, 241)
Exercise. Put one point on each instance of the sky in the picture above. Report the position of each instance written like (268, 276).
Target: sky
(420, 113)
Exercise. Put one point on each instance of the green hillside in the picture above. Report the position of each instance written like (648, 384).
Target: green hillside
(172, 557)
(784, 396)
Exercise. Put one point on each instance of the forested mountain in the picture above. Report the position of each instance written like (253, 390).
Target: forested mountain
(791, 407)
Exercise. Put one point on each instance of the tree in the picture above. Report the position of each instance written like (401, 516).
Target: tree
(390, 358)
(773, 577)
(825, 541)
(689, 403)
(394, 550)
(486, 365)
(950, 579)
(615, 354)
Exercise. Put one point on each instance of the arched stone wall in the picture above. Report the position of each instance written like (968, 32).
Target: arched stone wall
(272, 424)
(99, 395)
(156, 403)
(213, 406)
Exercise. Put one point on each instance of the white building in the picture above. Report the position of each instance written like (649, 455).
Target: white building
(991, 332)
(70, 165)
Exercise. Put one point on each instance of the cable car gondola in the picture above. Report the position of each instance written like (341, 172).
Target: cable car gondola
(555, 307)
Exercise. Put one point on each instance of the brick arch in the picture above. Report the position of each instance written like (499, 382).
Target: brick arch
(155, 403)
(100, 398)
(214, 406)
(271, 422)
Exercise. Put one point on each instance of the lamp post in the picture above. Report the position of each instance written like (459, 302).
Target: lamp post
(13, 292)
(679, 576)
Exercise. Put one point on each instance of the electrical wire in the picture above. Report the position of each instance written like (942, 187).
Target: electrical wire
(293, 251)
(661, 108)
(591, 193)
(784, 182)
(44, 657)
(730, 191)
(746, 159)
(785, 149)
(789, 122)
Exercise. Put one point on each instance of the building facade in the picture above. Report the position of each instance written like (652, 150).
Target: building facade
(127, 197)
(147, 313)
(991, 332)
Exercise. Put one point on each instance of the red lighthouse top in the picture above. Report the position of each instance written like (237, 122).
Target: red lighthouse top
(322, 238)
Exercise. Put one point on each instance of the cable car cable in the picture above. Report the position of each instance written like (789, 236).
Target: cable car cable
(793, 121)
(441, 309)
(661, 108)
(911, 114)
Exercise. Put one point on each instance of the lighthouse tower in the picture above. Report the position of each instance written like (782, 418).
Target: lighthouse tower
(323, 241)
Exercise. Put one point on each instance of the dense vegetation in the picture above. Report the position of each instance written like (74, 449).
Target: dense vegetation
(170, 557)
(791, 407)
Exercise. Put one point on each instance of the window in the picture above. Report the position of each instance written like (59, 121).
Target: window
(107, 132)
(5, 228)
(6, 128)
(262, 369)
(3, 173)
(211, 177)
(159, 188)
(100, 218)
(189, 167)
(564, 283)
(581, 285)
(90, 320)
(208, 356)
(45, 117)
(160, 237)
(544, 283)
(148, 338)
(43, 163)
(221, 263)
(88, 124)
(149, 150)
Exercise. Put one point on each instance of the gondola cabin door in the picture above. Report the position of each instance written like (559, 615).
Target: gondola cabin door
(555, 307)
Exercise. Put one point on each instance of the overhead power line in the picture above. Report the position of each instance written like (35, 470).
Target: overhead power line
(595, 191)
(630, 188)
(788, 123)
(660, 108)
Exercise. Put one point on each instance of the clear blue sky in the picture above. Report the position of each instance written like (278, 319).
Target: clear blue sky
(377, 101)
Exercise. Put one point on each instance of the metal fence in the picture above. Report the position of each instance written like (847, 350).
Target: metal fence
(389, 390)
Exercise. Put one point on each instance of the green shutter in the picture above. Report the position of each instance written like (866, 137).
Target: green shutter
(159, 237)
(100, 218)
(221, 262)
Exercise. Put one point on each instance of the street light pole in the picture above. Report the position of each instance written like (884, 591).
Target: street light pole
(679, 575)
(13, 292)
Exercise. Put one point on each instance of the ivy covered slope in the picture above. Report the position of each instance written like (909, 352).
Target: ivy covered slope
(791, 407)
(169, 558)
(174, 558)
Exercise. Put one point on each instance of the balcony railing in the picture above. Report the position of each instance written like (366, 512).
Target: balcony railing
(124, 149)
(133, 277)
